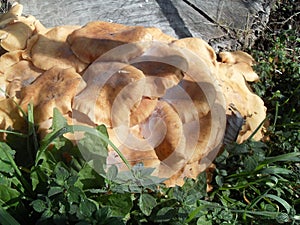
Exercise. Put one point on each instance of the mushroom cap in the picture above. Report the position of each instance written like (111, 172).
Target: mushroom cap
(236, 57)
(97, 38)
(142, 111)
(104, 82)
(14, 35)
(54, 88)
(158, 35)
(162, 99)
(195, 92)
(242, 62)
(10, 117)
(51, 49)
(20, 75)
(3, 85)
(40, 28)
(237, 92)
(201, 49)
(13, 14)
(134, 156)
(174, 132)
(159, 69)
(10, 58)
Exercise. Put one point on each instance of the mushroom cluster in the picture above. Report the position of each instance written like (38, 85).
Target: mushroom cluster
(163, 100)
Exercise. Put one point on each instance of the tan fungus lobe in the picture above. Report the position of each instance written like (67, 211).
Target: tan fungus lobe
(201, 49)
(174, 135)
(242, 62)
(10, 117)
(237, 92)
(20, 75)
(97, 38)
(14, 35)
(142, 111)
(3, 85)
(43, 66)
(104, 81)
(10, 58)
(51, 49)
(13, 14)
(159, 69)
(54, 88)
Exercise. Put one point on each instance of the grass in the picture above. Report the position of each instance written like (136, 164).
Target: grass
(254, 183)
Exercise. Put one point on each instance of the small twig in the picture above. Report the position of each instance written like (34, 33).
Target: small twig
(284, 22)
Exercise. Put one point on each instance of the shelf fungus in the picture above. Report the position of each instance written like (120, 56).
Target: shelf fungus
(165, 102)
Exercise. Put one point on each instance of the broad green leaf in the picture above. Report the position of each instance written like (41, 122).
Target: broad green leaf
(88, 178)
(61, 173)
(250, 163)
(5, 161)
(39, 205)
(226, 215)
(74, 194)
(112, 173)
(58, 120)
(94, 151)
(92, 146)
(147, 203)
(191, 199)
(165, 214)
(87, 207)
(55, 190)
(125, 176)
(219, 180)
(98, 164)
(47, 214)
(38, 177)
(202, 220)
(8, 194)
(201, 184)
(119, 204)
(72, 180)
(4, 180)
(104, 217)
(282, 218)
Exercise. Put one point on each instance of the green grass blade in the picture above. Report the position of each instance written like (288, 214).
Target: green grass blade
(31, 128)
(13, 132)
(281, 201)
(6, 218)
(257, 129)
(276, 170)
(289, 157)
(276, 113)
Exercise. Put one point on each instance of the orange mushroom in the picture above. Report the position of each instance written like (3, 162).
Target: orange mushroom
(51, 49)
(164, 101)
(54, 88)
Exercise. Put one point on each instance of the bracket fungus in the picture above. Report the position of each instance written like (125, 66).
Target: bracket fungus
(163, 100)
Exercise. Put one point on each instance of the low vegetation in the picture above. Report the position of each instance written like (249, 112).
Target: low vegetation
(49, 182)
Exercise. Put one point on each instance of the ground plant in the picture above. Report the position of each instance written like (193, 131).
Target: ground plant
(256, 182)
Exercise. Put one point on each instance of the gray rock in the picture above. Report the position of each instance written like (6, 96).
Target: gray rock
(225, 24)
